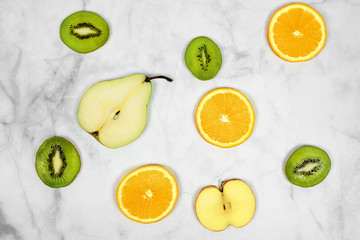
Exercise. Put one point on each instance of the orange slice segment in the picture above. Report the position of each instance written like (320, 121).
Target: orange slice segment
(296, 32)
(147, 194)
(225, 117)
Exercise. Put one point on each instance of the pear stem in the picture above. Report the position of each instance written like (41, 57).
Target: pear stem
(147, 79)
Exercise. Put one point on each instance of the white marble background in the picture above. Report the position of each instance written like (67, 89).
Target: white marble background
(315, 102)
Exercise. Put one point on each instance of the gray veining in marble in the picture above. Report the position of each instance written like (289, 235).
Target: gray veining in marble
(316, 103)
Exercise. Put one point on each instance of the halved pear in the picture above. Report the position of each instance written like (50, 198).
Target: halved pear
(233, 204)
(115, 111)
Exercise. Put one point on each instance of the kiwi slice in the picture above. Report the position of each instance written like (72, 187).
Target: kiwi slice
(203, 58)
(84, 31)
(57, 162)
(308, 166)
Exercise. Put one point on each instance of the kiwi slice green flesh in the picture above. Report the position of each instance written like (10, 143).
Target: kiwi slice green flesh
(203, 58)
(84, 31)
(308, 166)
(57, 162)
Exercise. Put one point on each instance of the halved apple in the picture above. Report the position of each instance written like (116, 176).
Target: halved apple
(232, 204)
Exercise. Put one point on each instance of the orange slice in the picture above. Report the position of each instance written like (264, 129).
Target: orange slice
(147, 194)
(225, 117)
(297, 32)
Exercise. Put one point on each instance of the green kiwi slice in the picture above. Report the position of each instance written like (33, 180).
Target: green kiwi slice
(203, 58)
(57, 162)
(84, 31)
(308, 166)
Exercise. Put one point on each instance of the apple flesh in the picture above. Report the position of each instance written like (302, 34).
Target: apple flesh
(115, 111)
(233, 204)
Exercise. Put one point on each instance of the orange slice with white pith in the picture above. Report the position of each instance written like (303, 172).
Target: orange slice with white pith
(297, 32)
(225, 117)
(147, 194)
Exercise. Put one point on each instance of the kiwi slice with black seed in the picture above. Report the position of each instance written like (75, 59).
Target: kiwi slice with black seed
(57, 162)
(308, 166)
(84, 31)
(203, 58)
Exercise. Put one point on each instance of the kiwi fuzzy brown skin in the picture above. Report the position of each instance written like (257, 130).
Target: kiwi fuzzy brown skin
(40, 173)
(299, 159)
(73, 41)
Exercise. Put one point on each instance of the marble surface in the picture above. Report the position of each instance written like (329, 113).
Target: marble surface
(315, 102)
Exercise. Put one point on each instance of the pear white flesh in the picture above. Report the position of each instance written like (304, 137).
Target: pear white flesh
(115, 111)
(234, 206)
